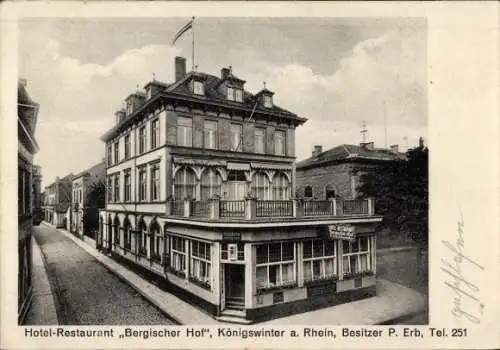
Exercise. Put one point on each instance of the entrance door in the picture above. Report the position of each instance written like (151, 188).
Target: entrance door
(235, 286)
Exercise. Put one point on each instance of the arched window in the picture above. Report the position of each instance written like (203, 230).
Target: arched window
(116, 232)
(127, 239)
(155, 242)
(210, 184)
(280, 187)
(260, 185)
(308, 192)
(184, 184)
(142, 232)
(329, 191)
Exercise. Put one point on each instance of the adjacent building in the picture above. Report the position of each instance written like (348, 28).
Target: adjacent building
(200, 180)
(82, 206)
(337, 171)
(57, 201)
(27, 114)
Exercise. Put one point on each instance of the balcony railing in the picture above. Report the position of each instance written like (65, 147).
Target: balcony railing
(232, 208)
(252, 209)
(274, 208)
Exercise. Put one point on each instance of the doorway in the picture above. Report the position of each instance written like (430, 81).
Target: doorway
(234, 277)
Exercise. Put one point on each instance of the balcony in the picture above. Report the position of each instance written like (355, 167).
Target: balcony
(269, 210)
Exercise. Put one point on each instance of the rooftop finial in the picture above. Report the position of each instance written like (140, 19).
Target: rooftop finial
(264, 82)
(196, 68)
(154, 76)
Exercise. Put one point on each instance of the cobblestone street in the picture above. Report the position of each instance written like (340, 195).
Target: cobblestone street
(87, 293)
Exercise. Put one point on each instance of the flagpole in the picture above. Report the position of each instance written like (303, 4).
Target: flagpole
(192, 52)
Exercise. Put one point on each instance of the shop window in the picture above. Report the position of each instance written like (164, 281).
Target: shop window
(319, 260)
(178, 255)
(275, 265)
(200, 264)
(356, 256)
(156, 242)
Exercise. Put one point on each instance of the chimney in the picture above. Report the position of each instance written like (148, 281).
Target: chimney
(394, 148)
(421, 142)
(317, 150)
(180, 68)
(224, 73)
(368, 145)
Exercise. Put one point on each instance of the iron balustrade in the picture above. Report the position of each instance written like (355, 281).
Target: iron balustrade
(355, 207)
(318, 208)
(200, 209)
(232, 208)
(177, 208)
(274, 208)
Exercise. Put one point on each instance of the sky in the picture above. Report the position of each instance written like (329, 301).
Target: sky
(336, 72)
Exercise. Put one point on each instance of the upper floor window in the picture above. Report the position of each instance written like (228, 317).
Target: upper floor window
(260, 137)
(211, 184)
(184, 184)
(142, 184)
(142, 139)
(155, 133)
(236, 136)
(279, 143)
(234, 94)
(184, 132)
(210, 134)
(155, 182)
(110, 155)
(130, 107)
(280, 186)
(308, 192)
(128, 186)
(198, 88)
(117, 152)
(127, 146)
(110, 189)
(117, 188)
(260, 185)
(268, 101)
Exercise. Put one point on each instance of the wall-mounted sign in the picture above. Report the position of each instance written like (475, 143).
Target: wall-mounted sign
(231, 236)
(342, 231)
(232, 252)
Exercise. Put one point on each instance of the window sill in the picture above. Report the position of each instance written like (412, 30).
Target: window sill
(319, 281)
(290, 285)
(204, 285)
(358, 274)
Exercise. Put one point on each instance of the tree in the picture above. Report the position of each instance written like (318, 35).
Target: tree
(95, 199)
(401, 190)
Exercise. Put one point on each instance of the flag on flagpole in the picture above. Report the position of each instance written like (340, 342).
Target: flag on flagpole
(184, 29)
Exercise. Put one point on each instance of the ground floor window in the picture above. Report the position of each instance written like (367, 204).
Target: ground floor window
(200, 265)
(178, 255)
(319, 259)
(356, 256)
(127, 237)
(156, 241)
(275, 265)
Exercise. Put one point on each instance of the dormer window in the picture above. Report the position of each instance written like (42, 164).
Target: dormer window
(130, 108)
(198, 88)
(268, 101)
(149, 93)
(234, 94)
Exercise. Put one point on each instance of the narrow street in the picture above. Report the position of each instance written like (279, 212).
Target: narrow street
(86, 292)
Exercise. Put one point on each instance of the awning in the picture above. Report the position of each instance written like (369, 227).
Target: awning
(238, 166)
(271, 166)
(191, 161)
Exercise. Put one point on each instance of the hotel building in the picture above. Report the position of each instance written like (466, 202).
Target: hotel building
(200, 182)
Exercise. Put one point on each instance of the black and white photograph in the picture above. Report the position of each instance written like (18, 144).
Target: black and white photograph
(223, 177)
(251, 170)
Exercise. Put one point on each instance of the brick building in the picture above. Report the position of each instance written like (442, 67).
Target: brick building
(82, 183)
(27, 114)
(332, 173)
(200, 177)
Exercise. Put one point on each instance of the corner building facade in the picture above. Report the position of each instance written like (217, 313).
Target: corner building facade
(200, 183)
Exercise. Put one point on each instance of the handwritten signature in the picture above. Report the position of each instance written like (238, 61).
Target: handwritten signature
(464, 289)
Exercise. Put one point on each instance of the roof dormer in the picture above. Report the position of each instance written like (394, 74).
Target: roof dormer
(154, 87)
(134, 101)
(231, 86)
(120, 115)
(198, 84)
(265, 97)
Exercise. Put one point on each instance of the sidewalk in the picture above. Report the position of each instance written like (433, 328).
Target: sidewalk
(42, 310)
(393, 301)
